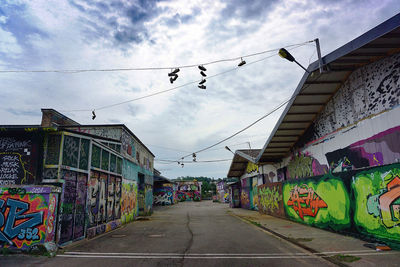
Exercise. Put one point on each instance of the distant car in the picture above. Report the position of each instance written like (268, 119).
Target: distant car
(215, 198)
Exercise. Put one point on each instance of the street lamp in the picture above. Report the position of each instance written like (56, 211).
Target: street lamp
(283, 53)
(227, 148)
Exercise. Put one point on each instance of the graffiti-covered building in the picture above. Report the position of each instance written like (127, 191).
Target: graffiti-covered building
(335, 150)
(164, 190)
(188, 190)
(69, 183)
(250, 177)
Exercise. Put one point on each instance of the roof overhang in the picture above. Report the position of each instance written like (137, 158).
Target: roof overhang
(240, 160)
(315, 89)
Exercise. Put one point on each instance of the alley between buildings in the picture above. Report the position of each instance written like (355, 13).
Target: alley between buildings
(187, 234)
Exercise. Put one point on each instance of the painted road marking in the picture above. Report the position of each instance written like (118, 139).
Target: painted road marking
(197, 257)
(79, 254)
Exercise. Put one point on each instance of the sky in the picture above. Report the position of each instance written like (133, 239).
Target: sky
(56, 35)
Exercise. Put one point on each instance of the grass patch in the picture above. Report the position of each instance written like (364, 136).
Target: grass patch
(345, 258)
(300, 239)
(256, 223)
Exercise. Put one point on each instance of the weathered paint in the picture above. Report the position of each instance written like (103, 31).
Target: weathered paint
(104, 208)
(27, 215)
(129, 203)
(164, 194)
(377, 202)
(270, 199)
(19, 158)
(189, 191)
(323, 202)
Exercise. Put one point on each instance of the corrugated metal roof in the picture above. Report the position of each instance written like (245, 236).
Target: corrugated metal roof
(315, 89)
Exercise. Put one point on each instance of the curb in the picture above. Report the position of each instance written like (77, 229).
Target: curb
(290, 240)
(76, 243)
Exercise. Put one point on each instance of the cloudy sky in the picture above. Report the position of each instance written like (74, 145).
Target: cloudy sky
(120, 34)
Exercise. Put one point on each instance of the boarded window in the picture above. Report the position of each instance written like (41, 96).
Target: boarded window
(104, 160)
(119, 165)
(53, 149)
(84, 154)
(96, 153)
(71, 151)
(113, 163)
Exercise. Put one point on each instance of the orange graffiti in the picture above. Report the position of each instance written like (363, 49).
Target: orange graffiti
(305, 201)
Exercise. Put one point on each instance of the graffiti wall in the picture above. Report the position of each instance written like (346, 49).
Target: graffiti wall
(27, 215)
(189, 191)
(377, 202)
(18, 158)
(358, 128)
(129, 204)
(163, 194)
(323, 202)
(72, 219)
(245, 196)
(104, 208)
(270, 199)
(254, 193)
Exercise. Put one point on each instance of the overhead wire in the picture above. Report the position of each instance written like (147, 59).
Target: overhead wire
(183, 85)
(73, 71)
(252, 124)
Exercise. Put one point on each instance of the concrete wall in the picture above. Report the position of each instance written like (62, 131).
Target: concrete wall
(28, 215)
(358, 128)
(344, 174)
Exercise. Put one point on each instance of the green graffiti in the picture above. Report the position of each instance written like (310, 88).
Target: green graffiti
(269, 199)
(300, 166)
(332, 190)
(377, 202)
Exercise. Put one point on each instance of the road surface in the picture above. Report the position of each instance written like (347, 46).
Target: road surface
(186, 234)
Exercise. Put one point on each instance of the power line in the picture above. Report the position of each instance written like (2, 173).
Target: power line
(189, 161)
(73, 71)
(177, 87)
(255, 122)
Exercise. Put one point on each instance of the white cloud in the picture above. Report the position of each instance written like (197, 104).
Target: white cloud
(84, 35)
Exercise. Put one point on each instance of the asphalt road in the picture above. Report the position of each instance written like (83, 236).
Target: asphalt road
(186, 234)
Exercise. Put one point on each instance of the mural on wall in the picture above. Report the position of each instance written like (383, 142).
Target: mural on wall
(129, 204)
(380, 149)
(305, 201)
(104, 196)
(377, 201)
(27, 216)
(189, 191)
(303, 165)
(369, 90)
(320, 201)
(164, 195)
(18, 159)
(245, 198)
(251, 167)
(270, 199)
(73, 206)
(254, 193)
(148, 190)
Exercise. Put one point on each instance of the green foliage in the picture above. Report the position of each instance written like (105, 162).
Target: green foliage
(345, 258)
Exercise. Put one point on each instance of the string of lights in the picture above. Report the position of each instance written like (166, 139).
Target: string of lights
(74, 71)
(183, 85)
